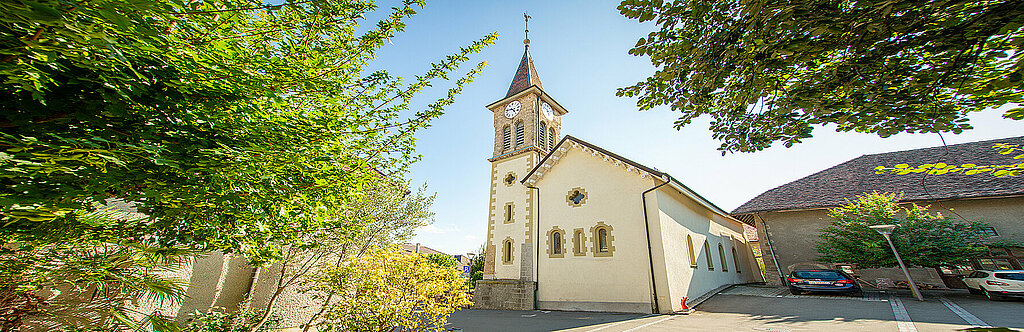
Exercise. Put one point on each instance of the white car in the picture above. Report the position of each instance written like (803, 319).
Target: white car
(996, 284)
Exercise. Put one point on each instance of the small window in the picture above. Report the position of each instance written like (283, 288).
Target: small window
(578, 242)
(556, 243)
(735, 260)
(556, 239)
(989, 231)
(506, 254)
(689, 247)
(551, 138)
(721, 257)
(520, 135)
(707, 253)
(509, 179)
(543, 130)
(576, 197)
(602, 239)
(509, 213)
(506, 138)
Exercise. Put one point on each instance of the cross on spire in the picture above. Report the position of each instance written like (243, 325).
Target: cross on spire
(527, 40)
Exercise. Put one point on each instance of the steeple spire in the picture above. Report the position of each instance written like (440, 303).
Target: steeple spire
(526, 74)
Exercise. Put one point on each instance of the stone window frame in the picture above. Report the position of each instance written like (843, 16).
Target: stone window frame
(721, 256)
(510, 213)
(507, 251)
(551, 242)
(595, 241)
(579, 242)
(551, 137)
(543, 134)
(693, 255)
(506, 181)
(707, 251)
(735, 259)
(568, 197)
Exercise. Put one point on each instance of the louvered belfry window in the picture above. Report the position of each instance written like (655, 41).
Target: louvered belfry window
(506, 138)
(520, 134)
(543, 130)
(551, 139)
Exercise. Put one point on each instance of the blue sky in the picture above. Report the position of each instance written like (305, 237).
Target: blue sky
(580, 51)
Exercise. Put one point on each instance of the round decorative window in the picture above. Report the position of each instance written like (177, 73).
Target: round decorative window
(576, 197)
(510, 178)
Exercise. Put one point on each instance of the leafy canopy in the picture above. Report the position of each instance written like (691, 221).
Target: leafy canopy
(386, 290)
(922, 239)
(998, 170)
(768, 71)
(234, 125)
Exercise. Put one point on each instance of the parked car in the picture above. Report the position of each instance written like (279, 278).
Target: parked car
(827, 281)
(996, 284)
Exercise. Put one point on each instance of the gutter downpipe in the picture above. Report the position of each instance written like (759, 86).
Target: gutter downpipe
(536, 249)
(771, 249)
(647, 232)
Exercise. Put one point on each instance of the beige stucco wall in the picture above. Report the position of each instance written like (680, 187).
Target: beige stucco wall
(793, 233)
(213, 280)
(617, 283)
(520, 229)
(679, 216)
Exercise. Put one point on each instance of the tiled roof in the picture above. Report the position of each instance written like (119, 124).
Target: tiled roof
(835, 185)
(525, 76)
(411, 248)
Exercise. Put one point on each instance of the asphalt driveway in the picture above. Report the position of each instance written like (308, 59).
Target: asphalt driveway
(749, 308)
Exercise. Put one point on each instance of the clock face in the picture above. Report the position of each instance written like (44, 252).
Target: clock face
(512, 109)
(546, 109)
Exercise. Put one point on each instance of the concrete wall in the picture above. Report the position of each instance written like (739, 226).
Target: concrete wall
(503, 294)
(620, 282)
(675, 216)
(793, 234)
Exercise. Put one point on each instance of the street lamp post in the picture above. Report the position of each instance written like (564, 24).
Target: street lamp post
(886, 230)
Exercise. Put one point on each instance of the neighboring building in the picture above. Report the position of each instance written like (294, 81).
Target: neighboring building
(417, 248)
(789, 218)
(572, 226)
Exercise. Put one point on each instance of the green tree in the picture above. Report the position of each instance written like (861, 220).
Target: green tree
(234, 125)
(768, 71)
(476, 266)
(386, 290)
(442, 260)
(922, 239)
(86, 282)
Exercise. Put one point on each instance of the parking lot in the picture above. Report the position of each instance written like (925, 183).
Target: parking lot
(748, 308)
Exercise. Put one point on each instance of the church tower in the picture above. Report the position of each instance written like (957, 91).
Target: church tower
(527, 125)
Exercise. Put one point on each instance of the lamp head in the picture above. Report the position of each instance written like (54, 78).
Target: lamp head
(883, 229)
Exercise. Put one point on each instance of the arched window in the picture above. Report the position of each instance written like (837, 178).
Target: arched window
(506, 138)
(721, 256)
(689, 247)
(707, 253)
(506, 252)
(556, 243)
(543, 130)
(520, 135)
(602, 239)
(735, 261)
(510, 212)
(551, 138)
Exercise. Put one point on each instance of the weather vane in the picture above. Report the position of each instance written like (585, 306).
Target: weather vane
(527, 40)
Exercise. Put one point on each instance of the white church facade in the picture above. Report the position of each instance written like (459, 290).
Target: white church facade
(572, 226)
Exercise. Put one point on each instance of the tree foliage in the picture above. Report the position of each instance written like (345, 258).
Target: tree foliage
(87, 282)
(966, 169)
(234, 125)
(386, 290)
(922, 239)
(768, 71)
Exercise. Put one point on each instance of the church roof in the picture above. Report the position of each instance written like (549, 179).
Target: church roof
(833, 186)
(569, 141)
(525, 77)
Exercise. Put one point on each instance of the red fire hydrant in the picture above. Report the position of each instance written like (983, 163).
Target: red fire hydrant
(683, 304)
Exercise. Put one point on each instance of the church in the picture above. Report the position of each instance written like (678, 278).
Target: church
(572, 226)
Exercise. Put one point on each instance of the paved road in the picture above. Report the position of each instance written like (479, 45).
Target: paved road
(774, 311)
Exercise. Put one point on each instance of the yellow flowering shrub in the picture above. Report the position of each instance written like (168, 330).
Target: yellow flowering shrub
(386, 290)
